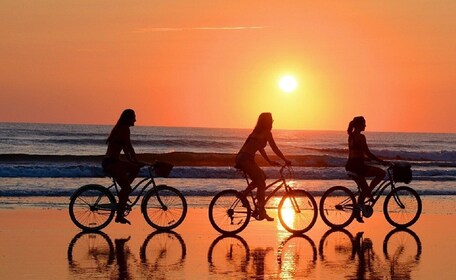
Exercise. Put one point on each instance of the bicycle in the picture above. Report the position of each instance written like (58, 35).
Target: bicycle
(402, 206)
(92, 207)
(230, 210)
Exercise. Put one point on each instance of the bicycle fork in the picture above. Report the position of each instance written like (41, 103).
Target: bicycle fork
(398, 200)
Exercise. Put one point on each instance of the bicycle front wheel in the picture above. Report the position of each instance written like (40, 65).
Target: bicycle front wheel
(164, 207)
(92, 207)
(298, 211)
(336, 207)
(90, 252)
(402, 207)
(229, 212)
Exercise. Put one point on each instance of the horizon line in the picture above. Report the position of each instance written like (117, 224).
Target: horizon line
(208, 127)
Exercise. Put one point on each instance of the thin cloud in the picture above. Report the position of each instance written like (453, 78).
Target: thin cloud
(178, 29)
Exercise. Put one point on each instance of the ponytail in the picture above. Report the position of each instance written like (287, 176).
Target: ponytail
(356, 122)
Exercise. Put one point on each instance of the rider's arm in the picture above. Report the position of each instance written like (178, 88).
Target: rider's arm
(276, 149)
(265, 156)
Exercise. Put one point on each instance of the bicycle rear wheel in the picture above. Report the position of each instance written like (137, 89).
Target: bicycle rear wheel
(164, 207)
(92, 207)
(298, 211)
(229, 212)
(336, 207)
(402, 207)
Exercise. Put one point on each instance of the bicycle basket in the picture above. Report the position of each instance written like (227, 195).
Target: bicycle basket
(162, 169)
(402, 172)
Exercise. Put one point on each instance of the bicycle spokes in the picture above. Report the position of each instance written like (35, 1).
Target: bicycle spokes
(228, 212)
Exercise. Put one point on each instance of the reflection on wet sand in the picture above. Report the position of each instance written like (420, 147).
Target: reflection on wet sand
(162, 255)
(94, 255)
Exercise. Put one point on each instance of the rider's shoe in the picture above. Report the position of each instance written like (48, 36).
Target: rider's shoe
(264, 216)
(122, 220)
(358, 216)
(360, 220)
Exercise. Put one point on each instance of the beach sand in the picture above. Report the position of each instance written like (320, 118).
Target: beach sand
(38, 243)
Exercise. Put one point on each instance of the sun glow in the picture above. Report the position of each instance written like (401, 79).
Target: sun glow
(288, 84)
(288, 214)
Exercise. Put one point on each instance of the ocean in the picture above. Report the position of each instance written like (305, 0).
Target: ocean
(53, 160)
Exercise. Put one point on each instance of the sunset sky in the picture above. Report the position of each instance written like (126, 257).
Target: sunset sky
(218, 63)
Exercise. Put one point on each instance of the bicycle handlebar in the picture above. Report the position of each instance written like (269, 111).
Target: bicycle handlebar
(286, 167)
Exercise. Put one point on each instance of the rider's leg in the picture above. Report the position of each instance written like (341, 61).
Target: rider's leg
(258, 178)
(132, 171)
(120, 173)
(378, 173)
(364, 191)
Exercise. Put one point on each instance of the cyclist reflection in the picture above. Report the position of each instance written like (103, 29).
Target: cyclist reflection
(122, 254)
(355, 257)
(368, 261)
(92, 255)
(259, 256)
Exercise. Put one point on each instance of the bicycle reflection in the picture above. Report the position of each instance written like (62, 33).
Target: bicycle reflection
(297, 256)
(94, 255)
(402, 249)
(228, 254)
(161, 253)
(355, 257)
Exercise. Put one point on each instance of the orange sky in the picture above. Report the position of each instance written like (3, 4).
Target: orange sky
(217, 63)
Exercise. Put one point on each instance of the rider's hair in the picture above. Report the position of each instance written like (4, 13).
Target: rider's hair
(264, 122)
(124, 119)
(356, 122)
(126, 116)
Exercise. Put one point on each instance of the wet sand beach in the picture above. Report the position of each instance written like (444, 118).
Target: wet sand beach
(38, 243)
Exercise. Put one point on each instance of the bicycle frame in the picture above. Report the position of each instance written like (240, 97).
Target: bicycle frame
(281, 180)
(379, 189)
(150, 180)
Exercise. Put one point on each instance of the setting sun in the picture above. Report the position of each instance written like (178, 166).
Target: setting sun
(288, 84)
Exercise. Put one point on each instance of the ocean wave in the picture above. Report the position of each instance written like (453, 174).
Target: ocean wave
(326, 159)
(90, 170)
(418, 156)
